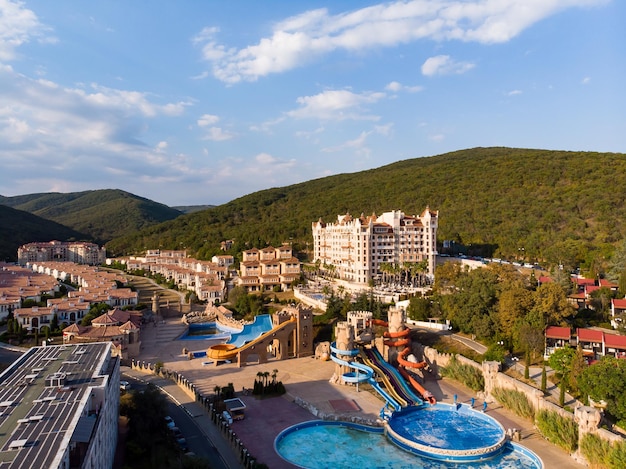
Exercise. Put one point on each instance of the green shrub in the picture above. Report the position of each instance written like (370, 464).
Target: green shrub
(515, 401)
(595, 449)
(557, 429)
(617, 456)
(466, 374)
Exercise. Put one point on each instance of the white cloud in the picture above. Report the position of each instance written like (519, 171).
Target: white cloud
(396, 87)
(306, 37)
(336, 105)
(19, 25)
(444, 65)
(514, 92)
(217, 134)
(207, 119)
(88, 130)
(586, 81)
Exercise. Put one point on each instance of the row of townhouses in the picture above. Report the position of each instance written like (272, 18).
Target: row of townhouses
(595, 343)
(358, 247)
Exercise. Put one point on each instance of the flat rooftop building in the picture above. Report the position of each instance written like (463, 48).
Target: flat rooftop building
(59, 408)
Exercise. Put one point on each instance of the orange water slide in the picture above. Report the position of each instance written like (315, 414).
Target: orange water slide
(427, 395)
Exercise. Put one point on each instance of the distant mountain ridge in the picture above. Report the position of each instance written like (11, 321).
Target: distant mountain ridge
(560, 206)
(97, 216)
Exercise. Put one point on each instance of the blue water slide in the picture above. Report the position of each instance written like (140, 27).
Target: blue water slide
(262, 324)
(362, 373)
(394, 376)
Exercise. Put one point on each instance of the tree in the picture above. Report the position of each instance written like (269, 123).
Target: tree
(544, 378)
(513, 303)
(551, 300)
(605, 381)
(561, 360)
(419, 308)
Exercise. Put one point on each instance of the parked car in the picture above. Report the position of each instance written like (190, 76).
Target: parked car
(176, 432)
(124, 385)
(170, 422)
(182, 443)
(226, 415)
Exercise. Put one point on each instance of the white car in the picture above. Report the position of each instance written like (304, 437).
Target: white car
(124, 385)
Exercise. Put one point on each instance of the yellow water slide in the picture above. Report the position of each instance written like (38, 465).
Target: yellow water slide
(228, 351)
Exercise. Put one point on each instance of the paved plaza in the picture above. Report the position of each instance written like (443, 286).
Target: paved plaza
(306, 380)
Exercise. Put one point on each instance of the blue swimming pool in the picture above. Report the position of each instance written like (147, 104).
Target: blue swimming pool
(322, 444)
(447, 432)
(205, 330)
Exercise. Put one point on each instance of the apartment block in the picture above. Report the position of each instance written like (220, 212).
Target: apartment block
(264, 269)
(79, 253)
(357, 247)
(60, 408)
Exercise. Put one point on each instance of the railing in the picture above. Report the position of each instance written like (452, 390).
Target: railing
(209, 405)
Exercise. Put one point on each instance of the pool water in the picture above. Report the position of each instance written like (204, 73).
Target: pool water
(448, 427)
(326, 445)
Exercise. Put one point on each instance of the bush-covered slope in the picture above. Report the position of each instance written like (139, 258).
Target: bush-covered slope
(102, 214)
(20, 227)
(505, 202)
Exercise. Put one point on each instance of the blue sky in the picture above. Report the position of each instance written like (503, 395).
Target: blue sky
(201, 102)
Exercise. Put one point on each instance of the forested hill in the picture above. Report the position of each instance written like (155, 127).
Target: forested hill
(548, 205)
(20, 227)
(100, 214)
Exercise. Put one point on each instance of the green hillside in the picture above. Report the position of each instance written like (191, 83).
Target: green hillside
(552, 206)
(20, 227)
(100, 214)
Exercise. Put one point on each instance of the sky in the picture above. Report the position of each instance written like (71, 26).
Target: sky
(203, 101)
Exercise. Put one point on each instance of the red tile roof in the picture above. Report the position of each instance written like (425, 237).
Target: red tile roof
(607, 283)
(544, 279)
(615, 341)
(589, 335)
(584, 281)
(556, 332)
(619, 303)
(589, 289)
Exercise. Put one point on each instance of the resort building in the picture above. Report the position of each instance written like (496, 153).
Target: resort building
(268, 268)
(121, 328)
(594, 343)
(79, 253)
(60, 408)
(356, 248)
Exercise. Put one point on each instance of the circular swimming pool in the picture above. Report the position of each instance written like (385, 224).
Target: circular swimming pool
(322, 444)
(446, 432)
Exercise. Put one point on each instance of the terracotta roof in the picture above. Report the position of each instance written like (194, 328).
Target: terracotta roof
(544, 279)
(607, 283)
(75, 329)
(589, 335)
(104, 320)
(619, 303)
(584, 281)
(615, 341)
(591, 288)
(128, 326)
(556, 332)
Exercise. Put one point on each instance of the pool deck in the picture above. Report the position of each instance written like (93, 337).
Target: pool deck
(307, 380)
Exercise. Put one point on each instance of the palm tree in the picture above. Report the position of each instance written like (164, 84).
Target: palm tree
(266, 375)
(217, 390)
(274, 374)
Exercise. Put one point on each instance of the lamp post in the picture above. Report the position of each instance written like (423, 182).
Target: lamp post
(515, 360)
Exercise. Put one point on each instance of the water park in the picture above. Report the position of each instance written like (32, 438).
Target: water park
(284, 334)
(413, 430)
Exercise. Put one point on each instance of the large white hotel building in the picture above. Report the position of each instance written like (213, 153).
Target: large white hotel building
(357, 247)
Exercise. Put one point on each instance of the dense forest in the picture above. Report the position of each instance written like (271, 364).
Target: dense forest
(100, 215)
(547, 206)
